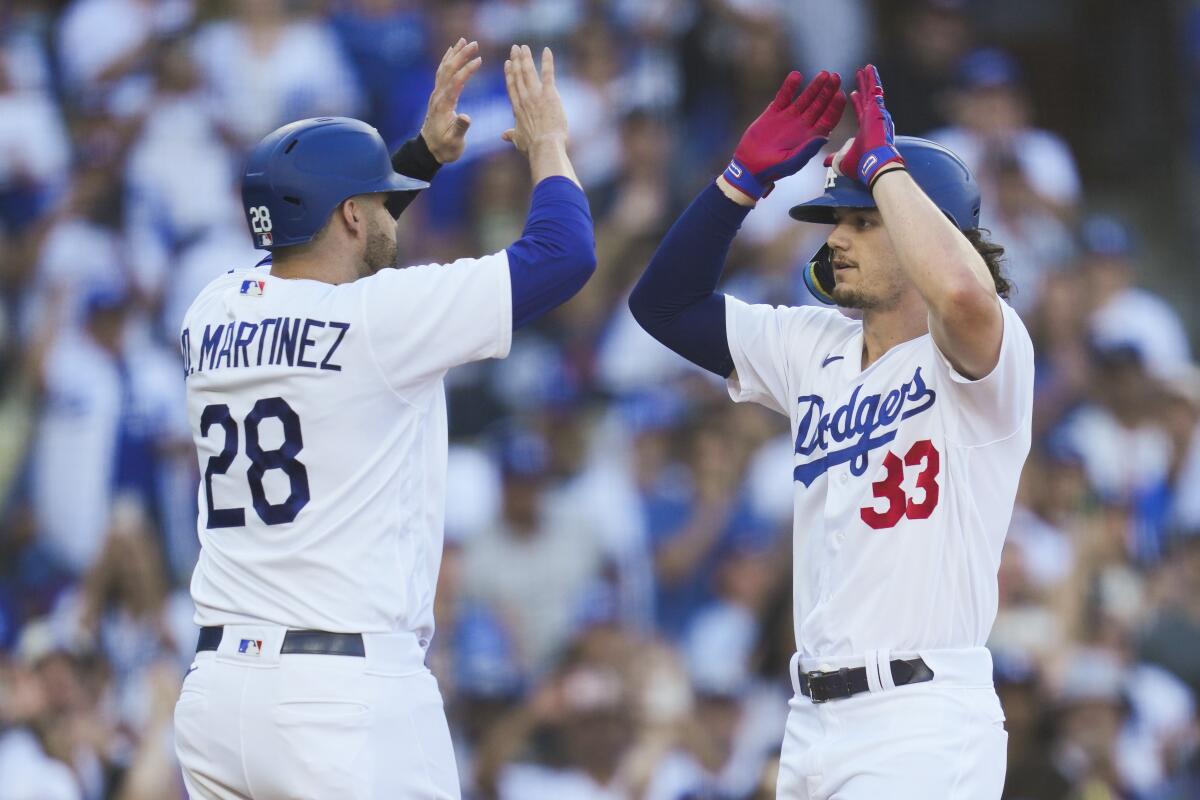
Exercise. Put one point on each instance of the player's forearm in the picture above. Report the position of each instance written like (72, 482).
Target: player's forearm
(965, 319)
(556, 254)
(937, 258)
(675, 300)
(414, 159)
(548, 157)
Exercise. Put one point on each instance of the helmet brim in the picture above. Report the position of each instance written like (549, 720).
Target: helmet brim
(820, 209)
(402, 183)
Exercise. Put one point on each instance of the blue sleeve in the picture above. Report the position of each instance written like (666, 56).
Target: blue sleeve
(556, 253)
(676, 300)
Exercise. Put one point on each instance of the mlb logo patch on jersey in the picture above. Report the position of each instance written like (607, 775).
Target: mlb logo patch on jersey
(253, 288)
(250, 647)
(265, 240)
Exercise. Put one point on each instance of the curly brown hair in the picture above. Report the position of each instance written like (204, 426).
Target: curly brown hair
(993, 256)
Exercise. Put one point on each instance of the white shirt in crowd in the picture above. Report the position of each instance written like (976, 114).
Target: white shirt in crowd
(536, 582)
(29, 774)
(302, 74)
(179, 181)
(1045, 160)
(33, 140)
(1140, 318)
(1120, 462)
(74, 453)
(76, 256)
(95, 34)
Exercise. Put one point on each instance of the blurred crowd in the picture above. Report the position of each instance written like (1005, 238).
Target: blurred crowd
(614, 605)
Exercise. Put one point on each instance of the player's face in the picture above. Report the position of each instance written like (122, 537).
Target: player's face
(380, 249)
(866, 273)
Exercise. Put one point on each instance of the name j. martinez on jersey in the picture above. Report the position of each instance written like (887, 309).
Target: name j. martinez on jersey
(276, 341)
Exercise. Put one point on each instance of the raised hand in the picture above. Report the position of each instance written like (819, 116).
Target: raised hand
(537, 108)
(787, 134)
(872, 151)
(444, 129)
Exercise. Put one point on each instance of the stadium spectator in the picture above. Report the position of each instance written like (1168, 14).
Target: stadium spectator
(105, 47)
(1122, 313)
(266, 65)
(28, 772)
(1037, 245)
(920, 63)
(179, 176)
(111, 410)
(991, 121)
(34, 150)
(534, 565)
(385, 42)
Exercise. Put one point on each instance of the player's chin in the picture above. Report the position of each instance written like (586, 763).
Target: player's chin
(851, 297)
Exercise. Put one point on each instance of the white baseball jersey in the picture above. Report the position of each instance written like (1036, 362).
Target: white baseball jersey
(905, 476)
(319, 417)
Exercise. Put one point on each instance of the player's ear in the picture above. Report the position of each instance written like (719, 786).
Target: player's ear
(353, 215)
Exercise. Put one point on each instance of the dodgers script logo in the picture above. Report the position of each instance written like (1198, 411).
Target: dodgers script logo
(856, 423)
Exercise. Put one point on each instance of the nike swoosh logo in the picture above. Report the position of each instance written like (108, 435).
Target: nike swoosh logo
(830, 359)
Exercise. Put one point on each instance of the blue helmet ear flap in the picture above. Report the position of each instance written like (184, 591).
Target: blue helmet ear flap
(818, 276)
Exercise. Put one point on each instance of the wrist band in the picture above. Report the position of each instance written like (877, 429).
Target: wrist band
(874, 160)
(415, 160)
(738, 176)
(894, 166)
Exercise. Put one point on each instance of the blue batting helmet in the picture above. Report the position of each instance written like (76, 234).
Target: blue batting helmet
(941, 175)
(298, 174)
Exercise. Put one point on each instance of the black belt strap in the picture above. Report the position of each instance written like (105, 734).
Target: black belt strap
(322, 643)
(822, 687)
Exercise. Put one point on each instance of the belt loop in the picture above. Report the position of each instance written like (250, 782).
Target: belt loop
(794, 672)
(873, 662)
(884, 664)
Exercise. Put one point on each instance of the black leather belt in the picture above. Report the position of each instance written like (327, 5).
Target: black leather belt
(821, 687)
(320, 643)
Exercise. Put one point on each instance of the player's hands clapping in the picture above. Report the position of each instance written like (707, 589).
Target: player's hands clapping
(444, 129)
(537, 108)
(787, 134)
(540, 131)
(872, 151)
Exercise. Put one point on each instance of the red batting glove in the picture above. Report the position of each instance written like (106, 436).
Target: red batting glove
(873, 151)
(787, 134)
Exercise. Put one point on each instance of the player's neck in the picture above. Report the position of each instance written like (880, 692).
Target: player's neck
(884, 329)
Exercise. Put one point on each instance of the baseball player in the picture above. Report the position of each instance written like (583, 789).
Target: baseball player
(910, 428)
(314, 386)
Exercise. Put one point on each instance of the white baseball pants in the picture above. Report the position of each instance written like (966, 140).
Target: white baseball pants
(257, 725)
(941, 739)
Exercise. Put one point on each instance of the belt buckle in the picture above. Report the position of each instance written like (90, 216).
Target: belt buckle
(817, 678)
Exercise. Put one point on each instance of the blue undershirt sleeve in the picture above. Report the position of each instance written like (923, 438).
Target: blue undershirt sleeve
(556, 253)
(676, 299)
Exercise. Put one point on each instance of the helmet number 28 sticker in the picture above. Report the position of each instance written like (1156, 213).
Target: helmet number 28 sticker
(900, 504)
(260, 219)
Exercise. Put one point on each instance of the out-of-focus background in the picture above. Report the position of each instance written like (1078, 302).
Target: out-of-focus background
(614, 604)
